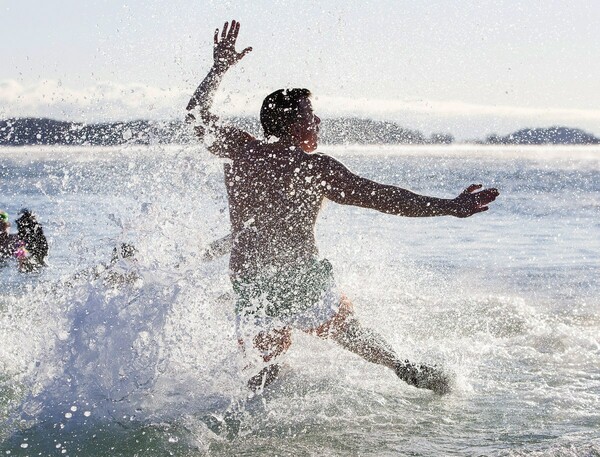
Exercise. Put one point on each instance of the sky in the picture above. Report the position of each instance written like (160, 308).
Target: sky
(469, 68)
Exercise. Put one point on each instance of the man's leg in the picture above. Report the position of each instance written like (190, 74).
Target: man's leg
(270, 344)
(347, 331)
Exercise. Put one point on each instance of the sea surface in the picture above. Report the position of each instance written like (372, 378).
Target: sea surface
(141, 358)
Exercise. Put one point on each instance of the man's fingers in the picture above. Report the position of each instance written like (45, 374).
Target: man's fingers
(488, 196)
(245, 51)
(472, 188)
(216, 37)
(224, 32)
(492, 194)
(236, 31)
(483, 197)
(231, 33)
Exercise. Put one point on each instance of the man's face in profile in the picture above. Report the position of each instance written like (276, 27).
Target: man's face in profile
(306, 129)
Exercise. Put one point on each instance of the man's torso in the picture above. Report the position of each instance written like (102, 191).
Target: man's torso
(274, 198)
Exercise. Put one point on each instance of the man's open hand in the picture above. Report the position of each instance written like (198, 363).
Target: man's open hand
(472, 200)
(224, 51)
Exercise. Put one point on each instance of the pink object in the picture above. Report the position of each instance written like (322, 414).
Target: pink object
(21, 252)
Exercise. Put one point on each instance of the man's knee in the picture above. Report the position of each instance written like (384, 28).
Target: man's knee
(346, 309)
(336, 324)
(348, 330)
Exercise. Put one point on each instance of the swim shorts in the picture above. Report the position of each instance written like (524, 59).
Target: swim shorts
(302, 296)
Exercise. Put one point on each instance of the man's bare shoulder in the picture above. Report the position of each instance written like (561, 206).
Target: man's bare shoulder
(323, 163)
(242, 150)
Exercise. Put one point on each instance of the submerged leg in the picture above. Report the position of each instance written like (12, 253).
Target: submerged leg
(264, 377)
(347, 331)
(271, 344)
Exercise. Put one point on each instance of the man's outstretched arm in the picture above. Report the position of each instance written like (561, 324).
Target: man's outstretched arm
(225, 56)
(344, 187)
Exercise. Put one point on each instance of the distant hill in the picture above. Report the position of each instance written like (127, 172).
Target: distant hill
(40, 131)
(36, 131)
(551, 135)
(367, 131)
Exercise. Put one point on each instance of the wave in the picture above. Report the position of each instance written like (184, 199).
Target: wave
(140, 357)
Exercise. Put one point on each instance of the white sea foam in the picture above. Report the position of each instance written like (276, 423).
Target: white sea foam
(144, 352)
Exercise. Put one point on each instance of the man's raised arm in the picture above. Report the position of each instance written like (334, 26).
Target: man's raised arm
(344, 187)
(225, 56)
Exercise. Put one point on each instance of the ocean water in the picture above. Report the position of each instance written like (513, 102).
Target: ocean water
(507, 300)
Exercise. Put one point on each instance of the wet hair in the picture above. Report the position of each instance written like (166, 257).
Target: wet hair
(280, 110)
(32, 234)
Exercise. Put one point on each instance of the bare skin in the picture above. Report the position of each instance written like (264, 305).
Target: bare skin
(276, 190)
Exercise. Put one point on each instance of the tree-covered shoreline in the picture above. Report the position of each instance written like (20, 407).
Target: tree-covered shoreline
(345, 130)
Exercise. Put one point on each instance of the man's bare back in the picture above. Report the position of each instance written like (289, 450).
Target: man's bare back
(273, 205)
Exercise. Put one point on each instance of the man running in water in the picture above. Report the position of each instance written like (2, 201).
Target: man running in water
(276, 189)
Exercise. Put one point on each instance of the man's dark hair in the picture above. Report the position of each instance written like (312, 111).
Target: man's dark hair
(280, 110)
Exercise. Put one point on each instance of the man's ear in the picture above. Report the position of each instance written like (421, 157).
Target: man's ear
(296, 130)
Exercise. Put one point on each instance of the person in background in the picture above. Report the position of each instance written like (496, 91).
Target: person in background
(28, 247)
(31, 233)
(8, 242)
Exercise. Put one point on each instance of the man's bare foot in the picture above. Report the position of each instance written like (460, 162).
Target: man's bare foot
(424, 377)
